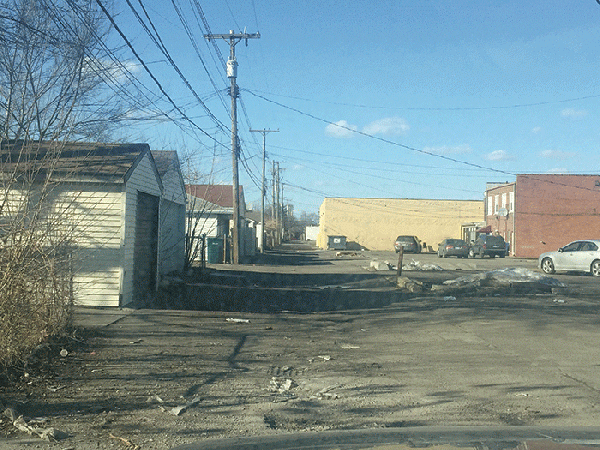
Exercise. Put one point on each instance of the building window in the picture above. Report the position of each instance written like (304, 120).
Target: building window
(511, 206)
(504, 199)
(496, 203)
(490, 204)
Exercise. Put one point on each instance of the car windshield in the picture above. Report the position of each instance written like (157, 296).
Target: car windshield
(199, 204)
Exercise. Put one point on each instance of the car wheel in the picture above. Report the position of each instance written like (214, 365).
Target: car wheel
(548, 265)
(471, 253)
(595, 268)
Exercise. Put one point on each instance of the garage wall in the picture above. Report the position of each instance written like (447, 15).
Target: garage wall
(375, 223)
(95, 216)
(143, 179)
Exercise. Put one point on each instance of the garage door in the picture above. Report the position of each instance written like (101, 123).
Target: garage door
(145, 248)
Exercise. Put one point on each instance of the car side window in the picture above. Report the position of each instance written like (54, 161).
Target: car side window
(573, 247)
(588, 247)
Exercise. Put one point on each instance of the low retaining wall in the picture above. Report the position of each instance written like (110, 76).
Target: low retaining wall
(207, 297)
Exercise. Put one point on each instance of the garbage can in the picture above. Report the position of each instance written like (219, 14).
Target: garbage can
(336, 242)
(214, 250)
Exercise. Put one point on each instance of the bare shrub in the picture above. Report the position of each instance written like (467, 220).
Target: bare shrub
(58, 82)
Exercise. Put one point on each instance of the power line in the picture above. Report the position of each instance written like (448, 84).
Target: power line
(149, 72)
(160, 45)
(436, 108)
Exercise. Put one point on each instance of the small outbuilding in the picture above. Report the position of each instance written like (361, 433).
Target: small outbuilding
(109, 199)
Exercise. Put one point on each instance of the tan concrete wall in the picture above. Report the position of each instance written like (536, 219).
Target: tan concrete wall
(375, 223)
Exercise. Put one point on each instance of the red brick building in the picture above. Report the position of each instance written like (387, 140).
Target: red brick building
(540, 213)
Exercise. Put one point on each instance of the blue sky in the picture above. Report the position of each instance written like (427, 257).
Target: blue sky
(404, 99)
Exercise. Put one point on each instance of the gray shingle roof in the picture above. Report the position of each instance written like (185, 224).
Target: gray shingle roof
(71, 161)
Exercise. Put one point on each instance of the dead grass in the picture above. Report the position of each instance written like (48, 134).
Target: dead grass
(35, 299)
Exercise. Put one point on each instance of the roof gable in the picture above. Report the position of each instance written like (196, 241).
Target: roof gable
(218, 194)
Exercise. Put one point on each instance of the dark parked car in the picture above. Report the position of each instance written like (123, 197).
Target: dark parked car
(488, 244)
(453, 247)
(409, 244)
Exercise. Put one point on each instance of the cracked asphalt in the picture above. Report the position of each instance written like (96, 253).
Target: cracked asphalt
(156, 379)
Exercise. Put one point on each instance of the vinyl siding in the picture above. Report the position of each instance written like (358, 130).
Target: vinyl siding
(93, 217)
(172, 223)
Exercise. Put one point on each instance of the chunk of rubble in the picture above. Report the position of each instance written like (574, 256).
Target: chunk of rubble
(281, 385)
(408, 285)
(417, 265)
(380, 265)
(518, 279)
(505, 276)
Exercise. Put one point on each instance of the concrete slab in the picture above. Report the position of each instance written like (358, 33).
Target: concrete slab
(89, 317)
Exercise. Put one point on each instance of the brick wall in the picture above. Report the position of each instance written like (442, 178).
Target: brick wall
(553, 210)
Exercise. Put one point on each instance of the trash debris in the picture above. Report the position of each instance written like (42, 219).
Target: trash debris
(64, 353)
(558, 300)
(154, 399)
(10, 414)
(325, 357)
(416, 265)
(127, 443)
(179, 410)
(56, 388)
(281, 385)
(137, 341)
(349, 347)
(340, 254)
(325, 394)
(47, 434)
(232, 320)
(449, 298)
(380, 265)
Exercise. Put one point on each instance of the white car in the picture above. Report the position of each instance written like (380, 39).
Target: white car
(581, 256)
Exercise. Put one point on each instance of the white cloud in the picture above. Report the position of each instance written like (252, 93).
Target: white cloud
(536, 130)
(389, 126)
(449, 150)
(573, 113)
(340, 129)
(556, 154)
(118, 72)
(498, 155)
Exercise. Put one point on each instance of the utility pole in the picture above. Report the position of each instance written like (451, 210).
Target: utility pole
(233, 39)
(278, 213)
(283, 213)
(262, 209)
(274, 212)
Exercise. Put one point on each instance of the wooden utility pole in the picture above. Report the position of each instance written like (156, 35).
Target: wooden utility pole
(278, 203)
(233, 39)
(262, 208)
